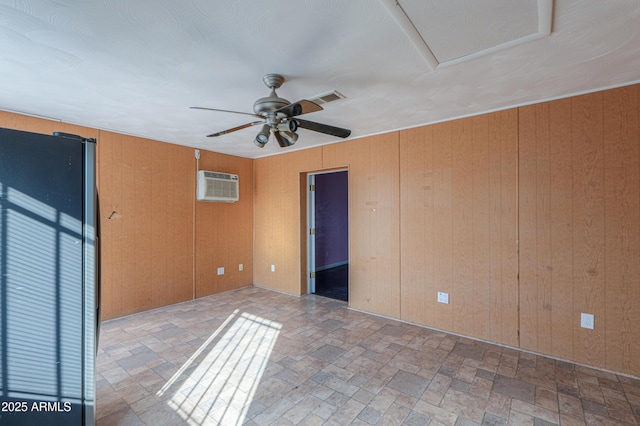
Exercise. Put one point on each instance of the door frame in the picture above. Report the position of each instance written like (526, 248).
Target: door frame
(311, 236)
(311, 223)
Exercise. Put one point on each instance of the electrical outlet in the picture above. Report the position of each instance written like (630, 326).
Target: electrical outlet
(221, 271)
(240, 267)
(273, 268)
(443, 297)
(586, 321)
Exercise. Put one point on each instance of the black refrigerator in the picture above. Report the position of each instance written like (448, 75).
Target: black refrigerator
(49, 279)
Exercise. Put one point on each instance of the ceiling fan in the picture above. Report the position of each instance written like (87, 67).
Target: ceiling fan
(280, 117)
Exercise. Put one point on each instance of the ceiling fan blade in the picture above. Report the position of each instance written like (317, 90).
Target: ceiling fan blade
(234, 129)
(324, 128)
(226, 110)
(298, 108)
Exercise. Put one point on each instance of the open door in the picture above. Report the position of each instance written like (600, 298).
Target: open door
(328, 234)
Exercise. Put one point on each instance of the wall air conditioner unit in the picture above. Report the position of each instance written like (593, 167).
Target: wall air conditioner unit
(214, 186)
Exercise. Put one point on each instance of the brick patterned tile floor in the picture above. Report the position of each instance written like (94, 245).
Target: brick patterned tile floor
(256, 357)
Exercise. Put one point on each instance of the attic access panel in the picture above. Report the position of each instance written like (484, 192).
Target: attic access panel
(460, 29)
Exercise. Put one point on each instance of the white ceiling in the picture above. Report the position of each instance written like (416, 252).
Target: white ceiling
(136, 66)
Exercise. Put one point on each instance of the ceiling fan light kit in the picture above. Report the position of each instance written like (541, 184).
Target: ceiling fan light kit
(263, 136)
(277, 116)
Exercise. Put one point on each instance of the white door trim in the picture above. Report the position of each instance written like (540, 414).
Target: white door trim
(311, 238)
(311, 222)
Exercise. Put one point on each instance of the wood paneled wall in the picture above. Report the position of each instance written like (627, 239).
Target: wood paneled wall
(458, 184)
(146, 205)
(580, 228)
(224, 231)
(277, 218)
(148, 218)
(374, 220)
(437, 208)
(442, 208)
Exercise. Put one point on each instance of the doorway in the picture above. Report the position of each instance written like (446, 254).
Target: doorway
(328, 218)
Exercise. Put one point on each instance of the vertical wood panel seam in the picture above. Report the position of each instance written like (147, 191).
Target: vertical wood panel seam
(399, 207)
(536, 264)
(433, 203)
(518, 281)
(472, 218)
(604, 223)
(637, 99)
(573, 254)
(399, 204)
(193, 236)
(551, 235)
(253, 222)
(536, 220)
(494, 253)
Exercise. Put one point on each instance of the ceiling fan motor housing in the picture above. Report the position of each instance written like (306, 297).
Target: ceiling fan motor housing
(266, 106)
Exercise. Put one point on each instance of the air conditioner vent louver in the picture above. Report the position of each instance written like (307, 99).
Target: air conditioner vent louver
(215, 186)
(328, 97)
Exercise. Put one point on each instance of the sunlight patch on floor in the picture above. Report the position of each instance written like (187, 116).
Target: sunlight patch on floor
(220, 389)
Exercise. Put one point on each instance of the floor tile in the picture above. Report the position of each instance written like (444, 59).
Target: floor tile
(594, 407)
(493, 420)
(570, 406)
(328, 353)
(256, 357)
(468, 351)
(416, 419)
(370, 415)
(392, 330)
(514, 388)
(330, 324)
(407, 383)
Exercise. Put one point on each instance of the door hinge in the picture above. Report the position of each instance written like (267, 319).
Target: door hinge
(312, 231)
(312, 275)
(312, 188)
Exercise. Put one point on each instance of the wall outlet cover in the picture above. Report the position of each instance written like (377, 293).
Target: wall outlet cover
(273, 268)
(586, 321)
(221, 271)
(240, 267)
(443, 297)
